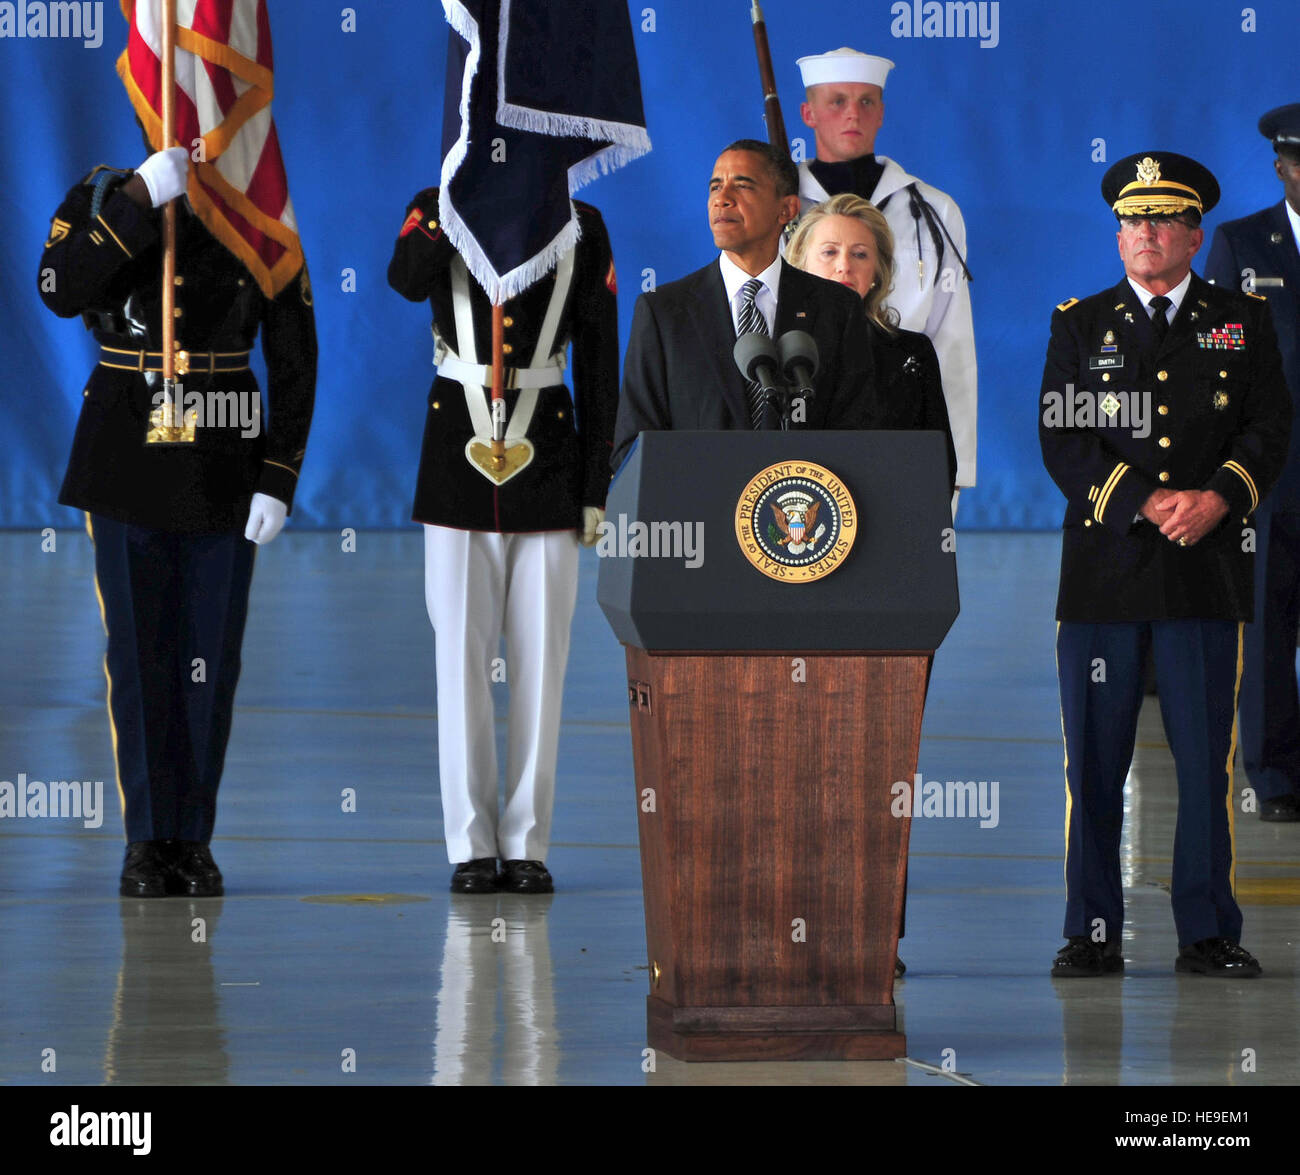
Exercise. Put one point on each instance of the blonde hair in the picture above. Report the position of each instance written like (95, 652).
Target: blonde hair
(847, 204)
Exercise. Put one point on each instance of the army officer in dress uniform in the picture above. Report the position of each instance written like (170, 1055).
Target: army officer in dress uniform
(1164, 419)
(501, 552)
(1261, 252)
(172, 524)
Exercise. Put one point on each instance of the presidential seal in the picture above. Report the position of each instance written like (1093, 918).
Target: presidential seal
(796, 521)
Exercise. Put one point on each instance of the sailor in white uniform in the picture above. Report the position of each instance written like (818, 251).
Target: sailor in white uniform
(845, 108)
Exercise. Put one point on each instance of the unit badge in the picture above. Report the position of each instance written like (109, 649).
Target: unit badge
(1110, 405)
(58, 230)
(796, 522)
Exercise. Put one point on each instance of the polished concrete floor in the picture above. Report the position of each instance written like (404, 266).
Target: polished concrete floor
(337, 955)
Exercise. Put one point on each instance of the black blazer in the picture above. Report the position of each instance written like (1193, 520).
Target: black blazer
(1265, 244)
(571, 434)
(1207, 417)
(911, 387)
(679, 372)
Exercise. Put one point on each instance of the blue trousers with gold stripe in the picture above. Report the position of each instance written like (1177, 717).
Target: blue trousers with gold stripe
(1270, 702)
(168, 600)
(1198, 666)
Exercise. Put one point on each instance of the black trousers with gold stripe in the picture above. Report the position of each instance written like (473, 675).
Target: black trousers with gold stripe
(174, 607)
(1198, 668)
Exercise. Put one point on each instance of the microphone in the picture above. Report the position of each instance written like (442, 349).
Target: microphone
(757, 358)
(799, 360)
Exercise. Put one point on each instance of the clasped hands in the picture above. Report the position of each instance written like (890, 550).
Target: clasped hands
(1185, 516)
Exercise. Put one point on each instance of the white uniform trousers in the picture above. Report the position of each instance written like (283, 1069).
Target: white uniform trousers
(479, 586)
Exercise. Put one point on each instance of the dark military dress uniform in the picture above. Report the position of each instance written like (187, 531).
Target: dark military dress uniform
(571, 433)
(1262, 247)
(501, 558)
(1216, 418)
(172, 565)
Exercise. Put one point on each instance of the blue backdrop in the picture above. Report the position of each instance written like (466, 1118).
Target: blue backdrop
(1018, 126)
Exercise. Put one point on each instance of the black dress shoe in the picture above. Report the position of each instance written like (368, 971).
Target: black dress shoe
(146, 870)
(194, 874)
(476, 876)
(1082, 958)
(526, 877)
(1218, 956)
(1281, 809)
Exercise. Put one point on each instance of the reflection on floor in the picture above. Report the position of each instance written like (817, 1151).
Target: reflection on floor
(337, 955)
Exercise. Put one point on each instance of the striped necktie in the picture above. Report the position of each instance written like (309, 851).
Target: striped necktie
(751, 321)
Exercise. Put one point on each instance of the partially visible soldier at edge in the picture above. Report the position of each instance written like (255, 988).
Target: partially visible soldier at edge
(1260, 253)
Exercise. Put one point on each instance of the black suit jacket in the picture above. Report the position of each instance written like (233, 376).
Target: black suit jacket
(679, 372)
(1209, 417)
(911, 386)
(1265, 244)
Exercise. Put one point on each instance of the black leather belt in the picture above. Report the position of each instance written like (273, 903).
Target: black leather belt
(187, 362)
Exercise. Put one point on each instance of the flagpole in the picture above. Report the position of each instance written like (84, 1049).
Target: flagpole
(498, 385)
(169, 429)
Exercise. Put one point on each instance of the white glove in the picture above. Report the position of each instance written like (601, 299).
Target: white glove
(265, 518)
(165, 174)
(592, 517)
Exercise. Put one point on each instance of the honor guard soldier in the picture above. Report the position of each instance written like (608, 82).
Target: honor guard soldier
(501, 546)
(1260, 253)
(845, 107)
(1164, 419)
(172, 523)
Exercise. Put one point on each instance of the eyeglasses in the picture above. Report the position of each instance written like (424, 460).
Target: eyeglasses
(1160, 224)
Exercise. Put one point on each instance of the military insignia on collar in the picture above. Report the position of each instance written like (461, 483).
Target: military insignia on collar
(1110, 405)
(1128, 316)
(58, 230)
(796, 522)
(1148, 171)
(1220, 400)
(1228, 337)
(1276, 238)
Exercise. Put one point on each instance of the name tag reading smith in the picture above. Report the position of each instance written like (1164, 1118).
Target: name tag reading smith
(1102, 362)
(796, 521)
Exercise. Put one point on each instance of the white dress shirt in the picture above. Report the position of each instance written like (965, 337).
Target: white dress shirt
(734, 279)
(1175, 296)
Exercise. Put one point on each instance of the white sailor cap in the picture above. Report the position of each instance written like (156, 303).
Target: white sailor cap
(844, 65)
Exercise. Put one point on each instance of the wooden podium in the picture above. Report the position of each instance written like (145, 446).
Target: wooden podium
(770, 720)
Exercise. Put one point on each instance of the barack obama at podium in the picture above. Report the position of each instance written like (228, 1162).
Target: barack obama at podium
(679, 371)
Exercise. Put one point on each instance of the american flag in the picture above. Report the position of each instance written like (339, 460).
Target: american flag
(224, 83)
